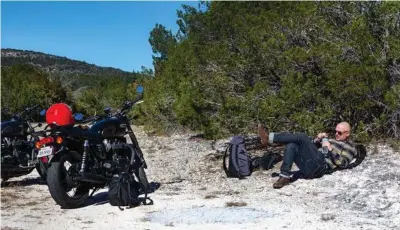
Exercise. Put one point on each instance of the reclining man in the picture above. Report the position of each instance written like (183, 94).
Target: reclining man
(313, 157)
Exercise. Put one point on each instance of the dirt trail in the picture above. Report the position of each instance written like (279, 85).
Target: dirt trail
(192, 192)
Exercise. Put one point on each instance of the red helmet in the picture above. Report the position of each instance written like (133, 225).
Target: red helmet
(60, 114)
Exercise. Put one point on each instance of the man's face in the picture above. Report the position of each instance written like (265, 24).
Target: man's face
(342, 132)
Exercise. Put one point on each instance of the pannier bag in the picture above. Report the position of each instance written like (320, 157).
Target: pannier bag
(123, 191)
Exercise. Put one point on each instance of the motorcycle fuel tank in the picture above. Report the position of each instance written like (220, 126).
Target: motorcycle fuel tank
(108, 128)
(13, 128)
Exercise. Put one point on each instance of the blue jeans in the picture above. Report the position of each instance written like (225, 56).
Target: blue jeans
(301, 151)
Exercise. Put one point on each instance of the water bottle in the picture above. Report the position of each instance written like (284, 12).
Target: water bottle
(325, 149)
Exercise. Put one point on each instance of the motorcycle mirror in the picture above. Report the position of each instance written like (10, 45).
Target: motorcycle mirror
(78, 116)
(139, 89)
(43, 112)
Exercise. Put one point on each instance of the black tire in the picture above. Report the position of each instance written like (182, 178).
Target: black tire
(58, 187)
(41, 168)
(142, 177)
(4, 182)
(360, 157)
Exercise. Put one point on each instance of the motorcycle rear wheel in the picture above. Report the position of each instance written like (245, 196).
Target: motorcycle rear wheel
(41, 168)
(57, 177)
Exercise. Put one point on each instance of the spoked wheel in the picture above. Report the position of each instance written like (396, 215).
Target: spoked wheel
(66, 192)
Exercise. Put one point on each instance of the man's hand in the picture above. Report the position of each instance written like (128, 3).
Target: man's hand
(327, 144)
(321, 135)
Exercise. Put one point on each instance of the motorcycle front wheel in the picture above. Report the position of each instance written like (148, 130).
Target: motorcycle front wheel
(60, 184)
(142, 177)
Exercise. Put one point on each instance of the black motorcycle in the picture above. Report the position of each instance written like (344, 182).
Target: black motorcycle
(83, 158)
(18, 153)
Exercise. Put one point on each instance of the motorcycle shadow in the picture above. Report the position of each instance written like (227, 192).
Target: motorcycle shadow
(24, 182)
(102, 197)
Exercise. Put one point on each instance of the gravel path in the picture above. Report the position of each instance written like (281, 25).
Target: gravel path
(192, 192)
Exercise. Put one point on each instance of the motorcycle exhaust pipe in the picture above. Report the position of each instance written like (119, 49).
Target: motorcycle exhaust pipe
(130, 148)
(132, 153)
(91, 178)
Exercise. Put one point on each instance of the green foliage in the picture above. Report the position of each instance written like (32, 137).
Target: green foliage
(108, 93)
(294, 66)
(298, 66)
(74, 76)
(24, 85)
(87, 88)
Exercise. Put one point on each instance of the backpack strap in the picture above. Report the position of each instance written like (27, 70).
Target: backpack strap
(129, 195)
(125, 179)
(119, 193)
(147, 198)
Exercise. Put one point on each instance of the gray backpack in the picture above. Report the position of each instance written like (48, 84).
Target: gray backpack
(239, 161)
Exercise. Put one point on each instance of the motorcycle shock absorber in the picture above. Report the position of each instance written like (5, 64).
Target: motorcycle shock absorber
(84, 157)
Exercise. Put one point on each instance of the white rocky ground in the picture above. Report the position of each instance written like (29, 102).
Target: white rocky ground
(192, 192)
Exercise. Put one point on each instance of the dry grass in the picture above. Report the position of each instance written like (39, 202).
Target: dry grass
(10, 228)
(8, 196)
(235, 204)
(395, 144)
(375, 150)
(6, 214)
(211, 169)
(32, 216)
(88, 222)
(391, 142)
(172, 194)
(327, 217)
(210, 196)
(150, 151)
(31, 203)
(145, 219)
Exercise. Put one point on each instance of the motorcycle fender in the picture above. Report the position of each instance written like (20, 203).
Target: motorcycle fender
(59, 154)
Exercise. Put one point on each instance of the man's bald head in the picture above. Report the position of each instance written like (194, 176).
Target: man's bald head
(342, 131)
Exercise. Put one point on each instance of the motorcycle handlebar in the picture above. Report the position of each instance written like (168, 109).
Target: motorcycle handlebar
(129, 104)
(29, 110)
(32, 108)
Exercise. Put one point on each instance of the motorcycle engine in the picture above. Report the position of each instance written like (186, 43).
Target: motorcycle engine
(16, 152)
(6, 142)
(116, 156)
(103, 149)
(121, 157)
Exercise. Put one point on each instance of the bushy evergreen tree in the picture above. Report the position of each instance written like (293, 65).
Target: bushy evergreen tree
(298, 66)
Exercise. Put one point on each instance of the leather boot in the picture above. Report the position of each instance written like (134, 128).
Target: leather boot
(282, 181)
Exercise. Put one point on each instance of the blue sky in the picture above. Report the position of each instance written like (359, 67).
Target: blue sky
(113, 34)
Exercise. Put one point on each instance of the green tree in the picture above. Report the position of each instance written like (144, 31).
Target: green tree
(25, 85)
(298, 66)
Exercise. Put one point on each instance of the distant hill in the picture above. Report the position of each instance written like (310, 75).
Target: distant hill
(71, 72)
